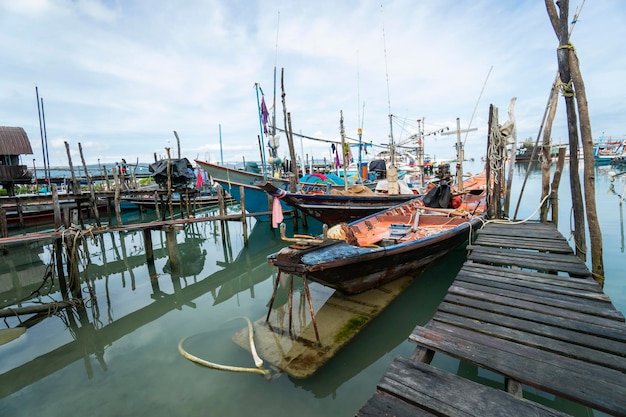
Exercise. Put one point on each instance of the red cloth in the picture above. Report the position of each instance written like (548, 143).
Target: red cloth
(277, 212)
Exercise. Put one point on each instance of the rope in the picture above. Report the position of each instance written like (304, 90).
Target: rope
(257, 360)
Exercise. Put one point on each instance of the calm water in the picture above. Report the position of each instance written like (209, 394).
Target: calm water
(120, 358)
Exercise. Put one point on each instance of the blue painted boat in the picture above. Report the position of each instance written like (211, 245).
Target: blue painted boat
(233, 180)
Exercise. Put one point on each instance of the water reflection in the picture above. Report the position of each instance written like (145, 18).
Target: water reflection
(124, 291)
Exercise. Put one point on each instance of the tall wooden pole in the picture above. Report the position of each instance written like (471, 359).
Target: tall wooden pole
(560, 24)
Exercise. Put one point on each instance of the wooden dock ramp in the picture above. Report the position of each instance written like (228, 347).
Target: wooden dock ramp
(525, 307)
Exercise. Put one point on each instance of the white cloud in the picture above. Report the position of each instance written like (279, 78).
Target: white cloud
(120, 77)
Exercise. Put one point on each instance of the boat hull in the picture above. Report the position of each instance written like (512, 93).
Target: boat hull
(334, 208)
(354, 269)
(254, 197)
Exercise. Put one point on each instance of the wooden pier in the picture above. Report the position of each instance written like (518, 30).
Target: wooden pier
(522, 306)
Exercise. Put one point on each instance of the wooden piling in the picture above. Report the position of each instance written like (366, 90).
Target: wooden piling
(118, 214)
(20, 213)
(169, 183)
(4, 228)
(92, 201)
(244, 222)
(170, 238)
(556, 180)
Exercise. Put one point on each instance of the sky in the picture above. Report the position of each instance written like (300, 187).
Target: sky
(119, 77)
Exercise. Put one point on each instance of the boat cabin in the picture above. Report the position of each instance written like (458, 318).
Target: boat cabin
(13, 143)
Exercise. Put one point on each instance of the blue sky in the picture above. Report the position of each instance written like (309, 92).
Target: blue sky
(120, 76)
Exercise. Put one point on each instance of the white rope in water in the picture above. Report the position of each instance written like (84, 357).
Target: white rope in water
(257, 360)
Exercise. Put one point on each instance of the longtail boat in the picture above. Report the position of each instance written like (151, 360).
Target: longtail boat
(364, 254)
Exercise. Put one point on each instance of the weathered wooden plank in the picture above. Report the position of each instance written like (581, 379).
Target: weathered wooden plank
(552, 341)
(586, 284)
(585, 335)
(383, 404)
(547, 245)
(548, 288)
(535, 231)
(593, 300)
(501, 302)
(537, 260)
(446, 394)
(567, 378)
(567, 304)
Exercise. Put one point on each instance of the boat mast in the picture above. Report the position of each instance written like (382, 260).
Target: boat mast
(344, 154)
(258, 102)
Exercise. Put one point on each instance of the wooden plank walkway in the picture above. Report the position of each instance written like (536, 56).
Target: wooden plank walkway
(523, 306)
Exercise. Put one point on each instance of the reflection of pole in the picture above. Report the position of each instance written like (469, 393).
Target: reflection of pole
(621, 219)
(170, 237)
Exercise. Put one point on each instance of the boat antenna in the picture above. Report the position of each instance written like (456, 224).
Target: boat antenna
(391, 144)
(476, 106)
(275, 62)
(360, 122)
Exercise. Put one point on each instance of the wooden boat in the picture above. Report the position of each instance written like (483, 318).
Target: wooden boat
(256, 199)
(382, 247)
(335, 208)
(235, 180)
(42, 212)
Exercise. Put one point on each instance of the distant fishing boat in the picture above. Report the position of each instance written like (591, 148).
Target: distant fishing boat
(382, 247)
(256, 199)
(42, 212)
(233, 180)
(608, 152)
(333, 208)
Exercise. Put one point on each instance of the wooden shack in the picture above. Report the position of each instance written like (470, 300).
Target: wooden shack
(13, 143)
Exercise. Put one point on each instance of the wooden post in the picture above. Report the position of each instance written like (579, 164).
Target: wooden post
(244, 222)
(560, 24)
(169, 184)
(118, 214)
(177, 143)
(71, 247)
(4, 227)
(546, 151)
(157, 205)
(93, 202)
(595, 233)
(20, 213)
(509, 178)
(106, 177)
(75, 184)
(554, 194)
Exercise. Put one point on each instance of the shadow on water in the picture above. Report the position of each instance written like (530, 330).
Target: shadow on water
(415, 306)
(116, 268)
